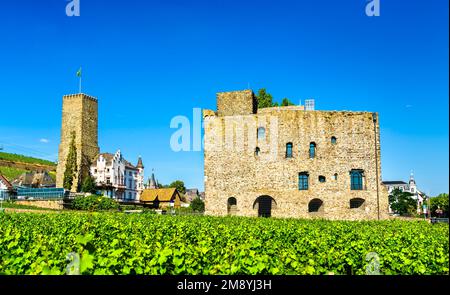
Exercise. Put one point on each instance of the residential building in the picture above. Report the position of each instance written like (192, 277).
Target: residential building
(118, 178)
(6, 189)
(410, 187)
(36, 179)
(161, 198)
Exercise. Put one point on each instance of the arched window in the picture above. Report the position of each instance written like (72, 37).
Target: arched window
(333, 140)
(322, 178)
(261, 133)
(356, 203)
(257, 150)
(315, 205)
(289, 150)
(356, 179)
(335, 176)
(232, 206)
(312, 150)
(303, 180)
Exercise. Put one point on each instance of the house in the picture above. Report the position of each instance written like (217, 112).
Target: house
(117, 178)
(37, 179)
(161, 197)
(410, 187)
(5, 188)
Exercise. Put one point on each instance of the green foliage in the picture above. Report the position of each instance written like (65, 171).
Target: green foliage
(24, 159)
(94, 203)
(89, 185)
(113, 243)
(197, 205)
(71, 165)
(179, 185)
(440, 201)
(264, 99)
(402, 202)
(286, 102)
(11, 173)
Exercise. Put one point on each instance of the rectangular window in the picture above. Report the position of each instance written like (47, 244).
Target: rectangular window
(303, 181)
(356, 180)
(289, 150)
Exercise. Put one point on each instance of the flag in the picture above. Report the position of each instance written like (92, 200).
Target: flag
(79, 73)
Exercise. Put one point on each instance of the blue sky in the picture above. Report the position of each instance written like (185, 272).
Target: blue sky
(148, 61)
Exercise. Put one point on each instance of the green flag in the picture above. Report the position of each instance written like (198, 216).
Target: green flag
(79, 73)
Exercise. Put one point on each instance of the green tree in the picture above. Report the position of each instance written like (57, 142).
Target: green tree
(89, 185)
(71, 165)
(197, 205)
(440, 201)
(264, 99)
(179, 185)
(286, 102)
(402, 202)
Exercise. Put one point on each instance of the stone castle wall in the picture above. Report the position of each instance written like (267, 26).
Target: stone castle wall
(232, 169)
(79, 115)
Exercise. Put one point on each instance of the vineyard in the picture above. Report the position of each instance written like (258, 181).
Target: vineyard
(115, 243)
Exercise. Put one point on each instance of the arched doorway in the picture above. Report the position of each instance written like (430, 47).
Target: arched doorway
(315, 205)
(264, 204)
(232, 206)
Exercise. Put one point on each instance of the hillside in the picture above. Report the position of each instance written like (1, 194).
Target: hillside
(13, 165)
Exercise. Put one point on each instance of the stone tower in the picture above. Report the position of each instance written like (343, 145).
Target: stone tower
(79, 115)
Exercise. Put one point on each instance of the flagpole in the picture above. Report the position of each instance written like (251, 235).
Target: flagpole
(80, 85)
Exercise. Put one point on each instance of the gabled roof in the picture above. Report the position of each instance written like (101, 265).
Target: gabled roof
(163, 194)
(6, 182)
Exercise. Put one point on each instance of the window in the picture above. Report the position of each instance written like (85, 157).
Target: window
(315, 205)
(356, 203)
(412, 190)
(322, 178)
(261, 133)
(356, 179)
(303, 181)
(129, 195)
(335, 176)
(107, 170)
(257, 150)
(130, 174)
(312, 150)
(95, 170)
(333, 140)
(232, 206)
(289, 150)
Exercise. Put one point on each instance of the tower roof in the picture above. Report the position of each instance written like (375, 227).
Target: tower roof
(152, 182)
(139, 163)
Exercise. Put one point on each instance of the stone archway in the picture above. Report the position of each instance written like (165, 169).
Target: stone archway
(232, 206)
(264, 205)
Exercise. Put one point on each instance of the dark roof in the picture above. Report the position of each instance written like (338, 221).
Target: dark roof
(192, 191)
(139, 163)
(38, 178)
(394, 182)
(6, 182)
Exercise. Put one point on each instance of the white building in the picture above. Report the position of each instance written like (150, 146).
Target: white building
(5, 188)
(409, 187)
(118, 178)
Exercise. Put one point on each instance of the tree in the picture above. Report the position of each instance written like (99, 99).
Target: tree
(440, 201)
(197, 205)
(286, 102)
(179, 185)
(264, 99)
(71, 165)
(402, 202)
(89, 185)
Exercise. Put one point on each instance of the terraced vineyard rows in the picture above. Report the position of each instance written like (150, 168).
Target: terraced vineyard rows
(112, 243)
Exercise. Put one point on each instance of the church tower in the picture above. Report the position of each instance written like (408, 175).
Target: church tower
(79, 117)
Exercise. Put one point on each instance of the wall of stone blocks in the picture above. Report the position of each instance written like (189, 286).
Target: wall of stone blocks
(79, 115)
(233, 170)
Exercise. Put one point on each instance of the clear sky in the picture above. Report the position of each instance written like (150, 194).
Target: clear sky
(148, 61)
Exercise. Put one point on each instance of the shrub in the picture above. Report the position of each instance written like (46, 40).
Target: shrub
(94, 203)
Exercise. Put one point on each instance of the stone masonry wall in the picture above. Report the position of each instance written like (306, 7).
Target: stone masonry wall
(233, 170)
(236, 103)
(80, 114)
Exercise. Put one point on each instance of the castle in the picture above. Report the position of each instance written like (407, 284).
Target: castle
(291, 162)
(114, 176)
